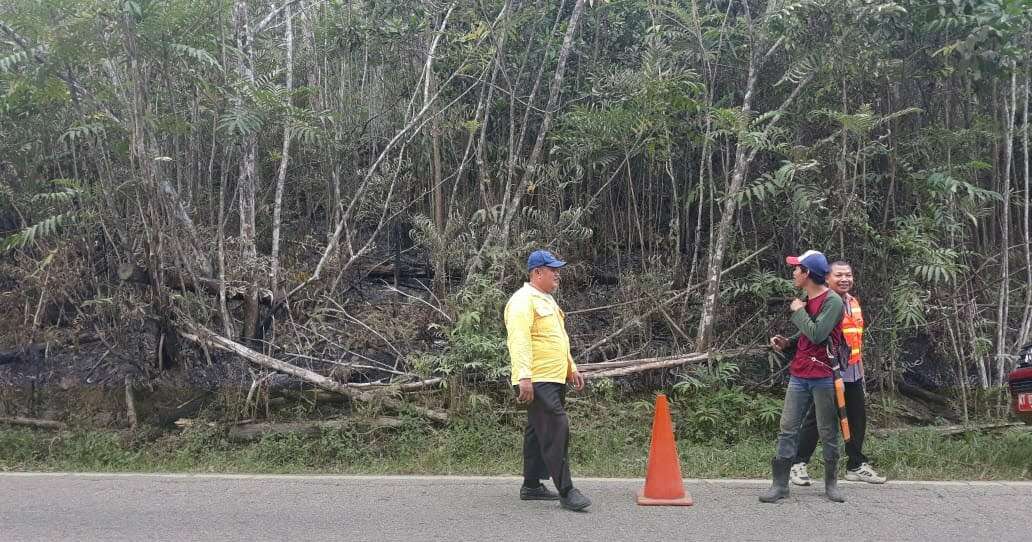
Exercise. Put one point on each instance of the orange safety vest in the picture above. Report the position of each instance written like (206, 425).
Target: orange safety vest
(853, 329)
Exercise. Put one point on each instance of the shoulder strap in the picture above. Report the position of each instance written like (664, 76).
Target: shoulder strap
(833, 344)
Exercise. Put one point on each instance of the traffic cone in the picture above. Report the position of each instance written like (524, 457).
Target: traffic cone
(663, 483)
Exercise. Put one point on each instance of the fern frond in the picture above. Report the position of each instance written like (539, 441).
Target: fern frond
(76, 133)
(199, 55)
(45, 228)
(240, 121)
(9, 62)
(55, 198)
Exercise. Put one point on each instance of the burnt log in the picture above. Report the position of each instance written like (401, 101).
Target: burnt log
(28, 353)
(35, 423)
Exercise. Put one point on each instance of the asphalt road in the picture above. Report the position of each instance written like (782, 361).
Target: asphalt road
(228, 507)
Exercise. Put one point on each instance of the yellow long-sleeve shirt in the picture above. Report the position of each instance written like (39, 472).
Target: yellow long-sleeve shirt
(536, 334)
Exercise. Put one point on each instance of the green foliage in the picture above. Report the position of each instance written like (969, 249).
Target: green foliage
(642, 108)
(760, 285)
(801, 70)
(198, 55)
(916, 243)
(476, 340)
(941, 183)
(7, 63)
(68, 192)
(45, 228)
(983, 33)
(609, 441)
(714, 408)
(91, 129)
(890, 153)
(908, 305)
(240, 121)
(770, 185)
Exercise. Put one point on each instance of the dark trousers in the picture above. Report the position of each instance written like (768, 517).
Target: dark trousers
(856, 413)
(547, 437)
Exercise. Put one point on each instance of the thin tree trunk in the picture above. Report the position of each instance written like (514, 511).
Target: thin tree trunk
(531, 99)
(130, 403)
(676, 215)
(227, 320)
(512, 202)
(546, 121)
(707, 322)
(440, 216)
(437, 179)
(437, 188)
(1003, 309)
(743, 158)
(958, 352)
(486, 197)
(281, 179)
(1026, 320)
(417, 120)
(247, 180)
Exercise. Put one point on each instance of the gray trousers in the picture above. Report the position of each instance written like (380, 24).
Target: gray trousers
(801, 391)
(856, 413)
(546, 440)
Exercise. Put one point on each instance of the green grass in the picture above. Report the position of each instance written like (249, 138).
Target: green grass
(610, 439)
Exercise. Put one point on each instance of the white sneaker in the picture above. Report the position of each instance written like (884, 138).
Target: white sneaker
(799, 475)
(864, 474)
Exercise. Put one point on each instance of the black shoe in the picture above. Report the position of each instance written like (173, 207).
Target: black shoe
(539, 493)
(574, 500)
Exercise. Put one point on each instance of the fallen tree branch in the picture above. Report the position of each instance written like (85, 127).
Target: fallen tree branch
(624, 368)
(187, 423)
(250, 432)
(406, 387)
(36, 423)
(588, 367)
(951, 430)
(205, 337)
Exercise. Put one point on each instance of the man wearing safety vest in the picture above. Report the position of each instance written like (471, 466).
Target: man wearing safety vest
(857, 467)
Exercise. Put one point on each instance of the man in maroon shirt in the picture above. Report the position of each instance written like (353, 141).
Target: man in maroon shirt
(811, 374)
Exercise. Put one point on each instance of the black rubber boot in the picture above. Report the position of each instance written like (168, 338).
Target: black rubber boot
(831, 489)
(779, 489)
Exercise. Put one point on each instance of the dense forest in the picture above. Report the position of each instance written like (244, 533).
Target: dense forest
(346, 190)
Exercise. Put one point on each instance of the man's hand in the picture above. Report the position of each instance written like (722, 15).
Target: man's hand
(797, 304)
(778, 343)
(526, 391)
(577, 379)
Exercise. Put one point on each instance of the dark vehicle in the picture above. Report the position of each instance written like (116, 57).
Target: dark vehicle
(1020, 381)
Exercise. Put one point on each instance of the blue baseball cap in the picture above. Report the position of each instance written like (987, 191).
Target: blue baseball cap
(812, 260)
(540, 258)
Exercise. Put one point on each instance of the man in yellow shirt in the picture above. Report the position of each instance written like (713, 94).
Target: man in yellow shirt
(541, 367)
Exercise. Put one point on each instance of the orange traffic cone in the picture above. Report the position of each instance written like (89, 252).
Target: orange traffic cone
(663, 483)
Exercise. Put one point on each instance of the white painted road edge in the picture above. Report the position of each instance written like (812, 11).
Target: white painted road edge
(445, 478)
